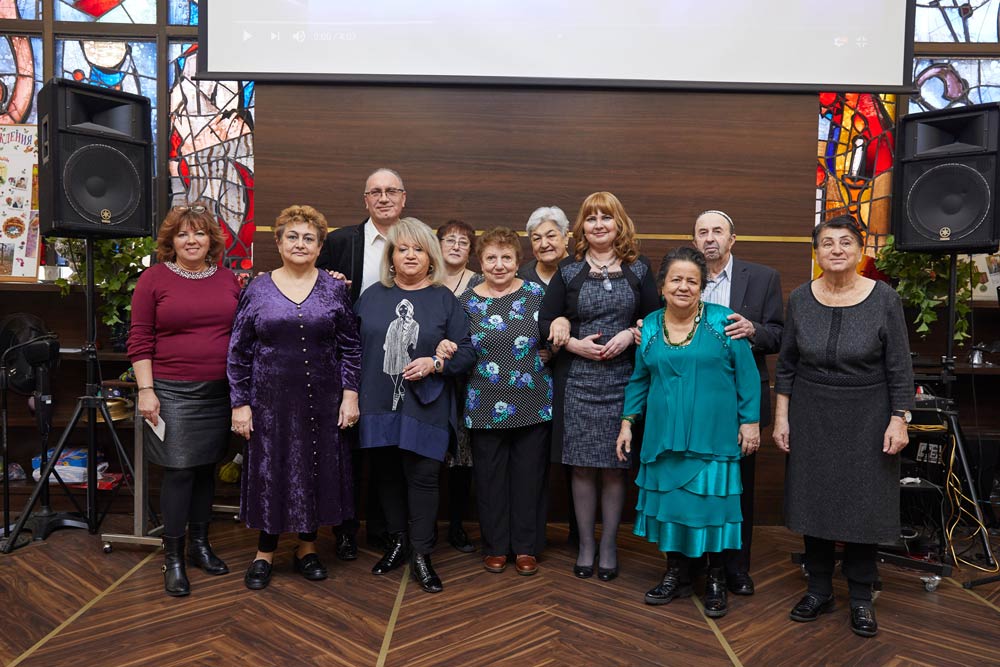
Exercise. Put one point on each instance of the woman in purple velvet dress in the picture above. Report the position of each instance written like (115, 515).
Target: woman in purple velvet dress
(294, 371)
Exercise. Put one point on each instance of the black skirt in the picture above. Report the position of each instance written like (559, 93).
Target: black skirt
(197, 416)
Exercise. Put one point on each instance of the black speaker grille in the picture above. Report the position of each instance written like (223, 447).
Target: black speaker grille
(101, 184)
(948, 202)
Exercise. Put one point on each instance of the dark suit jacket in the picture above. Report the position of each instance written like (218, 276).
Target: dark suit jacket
(344, 251)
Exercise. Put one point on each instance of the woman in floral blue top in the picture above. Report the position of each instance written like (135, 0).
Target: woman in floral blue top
(508, 404)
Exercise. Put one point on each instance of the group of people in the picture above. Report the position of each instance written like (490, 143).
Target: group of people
(375, 353)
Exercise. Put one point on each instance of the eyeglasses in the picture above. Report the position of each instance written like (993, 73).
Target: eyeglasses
(197, 209)
(391, 193)
(457, 242)
(605, 280)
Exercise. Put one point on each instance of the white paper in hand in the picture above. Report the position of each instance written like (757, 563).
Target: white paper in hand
(161, 426)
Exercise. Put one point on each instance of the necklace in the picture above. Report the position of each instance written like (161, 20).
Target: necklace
(694, 328)
(454, 290)
(207, 272)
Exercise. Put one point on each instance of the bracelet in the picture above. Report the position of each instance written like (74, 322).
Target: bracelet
(629, 418)
(148, 386)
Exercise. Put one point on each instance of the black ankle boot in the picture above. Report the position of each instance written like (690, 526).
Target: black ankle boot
(676, 583)
(716, 598)
(199, 551)
(175, 581)
(395, 554)
(424, 574)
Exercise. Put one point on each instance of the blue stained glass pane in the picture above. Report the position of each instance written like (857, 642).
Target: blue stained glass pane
(954, 82)
(106, 11)
(127, 66)
(972, 21)
(182, 12)
(20, 78)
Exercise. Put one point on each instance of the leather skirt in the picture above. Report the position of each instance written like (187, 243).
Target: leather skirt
(197, 416)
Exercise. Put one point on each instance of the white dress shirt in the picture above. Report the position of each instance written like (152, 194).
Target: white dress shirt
(371, 265)
(717, 290)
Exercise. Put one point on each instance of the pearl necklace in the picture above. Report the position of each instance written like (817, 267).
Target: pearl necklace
(690, 336)
(207, 272)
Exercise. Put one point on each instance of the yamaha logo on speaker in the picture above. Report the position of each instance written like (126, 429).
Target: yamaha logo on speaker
(944, 233)
(106, 216)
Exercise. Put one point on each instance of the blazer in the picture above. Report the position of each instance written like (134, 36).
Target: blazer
(344, 251)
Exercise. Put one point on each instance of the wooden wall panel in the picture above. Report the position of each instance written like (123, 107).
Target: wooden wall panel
(492, 155)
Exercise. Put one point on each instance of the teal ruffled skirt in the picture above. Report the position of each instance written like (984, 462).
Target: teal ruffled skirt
(690, 503)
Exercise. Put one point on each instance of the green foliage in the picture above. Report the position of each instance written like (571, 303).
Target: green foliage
(117, 265)
(922, 282)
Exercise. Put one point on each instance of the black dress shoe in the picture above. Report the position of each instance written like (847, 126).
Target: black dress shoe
(740, 583)
(458, 539)
(810, 607)
(670, 587)
(863, 621)
(716, 599)
(310, 567)
(258, 575)
(424, 574)
(607, 573)
(583, 571)
(347, 547)
(395, 555)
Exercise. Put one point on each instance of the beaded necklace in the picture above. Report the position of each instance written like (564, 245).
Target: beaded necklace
(207, 272)
(694, 328)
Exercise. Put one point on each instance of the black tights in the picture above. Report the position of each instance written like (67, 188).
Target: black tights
(186, 496)
(860, 566)
(268, 542)
(585, 504)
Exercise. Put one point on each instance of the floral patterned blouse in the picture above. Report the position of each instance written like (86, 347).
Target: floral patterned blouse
(509, 386)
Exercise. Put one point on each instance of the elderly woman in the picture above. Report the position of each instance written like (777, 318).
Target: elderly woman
(508, 404)
(700, 394)
(458, 241)
(408, 413)
(844, 388)
(548, 230)
(182, 315)
(601, 291)
(294, 369)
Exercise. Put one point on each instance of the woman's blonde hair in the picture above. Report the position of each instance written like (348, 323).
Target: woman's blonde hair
(626, 246)
(413, 230)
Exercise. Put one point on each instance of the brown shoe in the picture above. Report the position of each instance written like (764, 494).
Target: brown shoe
(495, 563)
(526, 565)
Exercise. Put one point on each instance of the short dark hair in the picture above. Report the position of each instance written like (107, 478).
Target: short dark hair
(458, 227)
(682, 254)
(840, 222)
(502, 237)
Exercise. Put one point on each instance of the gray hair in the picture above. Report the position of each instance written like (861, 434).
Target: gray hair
(411, 229)
(545, 214)
(388, 171)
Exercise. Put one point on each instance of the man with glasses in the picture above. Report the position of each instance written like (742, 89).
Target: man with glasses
(753, 291)
(356, 251)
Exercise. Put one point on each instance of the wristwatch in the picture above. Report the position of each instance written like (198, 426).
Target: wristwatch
(905, 415)
(438, 364)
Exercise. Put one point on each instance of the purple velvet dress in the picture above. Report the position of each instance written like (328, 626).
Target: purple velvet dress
(290, 363)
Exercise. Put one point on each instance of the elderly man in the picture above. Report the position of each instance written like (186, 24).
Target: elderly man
(356, 252)
(753, 291)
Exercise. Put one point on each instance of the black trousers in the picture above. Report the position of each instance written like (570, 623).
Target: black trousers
(374, 517)
(408, 489)
(860, 567)
(510, 466)
(738, 560)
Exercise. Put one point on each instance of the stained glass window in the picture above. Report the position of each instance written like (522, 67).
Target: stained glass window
(853, 172)
(20, 9)
(20, 78)
(106, 11)
(952, 82)
(972, 21)
(211, 149)
(182, 12)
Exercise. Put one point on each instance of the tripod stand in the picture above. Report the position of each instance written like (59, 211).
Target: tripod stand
(90, 404)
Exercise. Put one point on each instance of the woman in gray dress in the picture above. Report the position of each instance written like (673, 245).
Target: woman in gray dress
(601, 291)
(845, 349)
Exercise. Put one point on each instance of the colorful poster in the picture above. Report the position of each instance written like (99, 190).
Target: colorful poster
(19, 235)
(987, 282)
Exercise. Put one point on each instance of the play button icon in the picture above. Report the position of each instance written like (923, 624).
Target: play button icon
(246, 35)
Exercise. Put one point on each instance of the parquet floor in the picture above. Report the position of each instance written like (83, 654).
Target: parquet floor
(65, 603)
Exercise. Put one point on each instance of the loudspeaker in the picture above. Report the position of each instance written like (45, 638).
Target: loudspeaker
(95, 162)
(946, 180)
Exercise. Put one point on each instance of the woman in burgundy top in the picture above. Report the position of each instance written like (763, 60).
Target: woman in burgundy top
(182, 316)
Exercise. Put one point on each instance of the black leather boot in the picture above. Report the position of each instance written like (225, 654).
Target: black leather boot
(175, 581)
(716, 598)
(199, 551)
(676, 583)
(395, 554)
(424, 574)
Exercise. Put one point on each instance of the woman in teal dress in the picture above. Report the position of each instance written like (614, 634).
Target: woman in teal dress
(700, 394)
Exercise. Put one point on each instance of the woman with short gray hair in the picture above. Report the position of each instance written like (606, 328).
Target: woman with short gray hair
(548, 231)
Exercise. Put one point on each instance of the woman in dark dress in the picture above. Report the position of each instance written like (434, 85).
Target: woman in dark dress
(294, 369)
(182, 315)
(602, 291)
(844, 388)
(408, 413)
